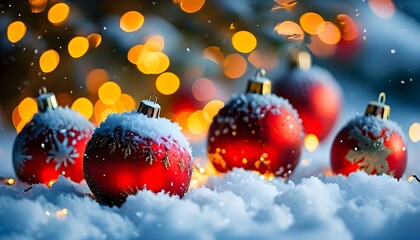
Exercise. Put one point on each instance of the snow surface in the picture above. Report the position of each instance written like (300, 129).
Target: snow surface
(153, 128)
(238, 205)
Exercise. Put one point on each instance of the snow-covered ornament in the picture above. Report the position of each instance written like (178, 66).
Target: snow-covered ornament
(256, 131)
(314, 93)
(137, 150)
(52, 143)
(370, 142)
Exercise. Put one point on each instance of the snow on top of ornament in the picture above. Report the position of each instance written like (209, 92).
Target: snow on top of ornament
(58, 119)
(259, 103)
(153, 128)
(375, 125)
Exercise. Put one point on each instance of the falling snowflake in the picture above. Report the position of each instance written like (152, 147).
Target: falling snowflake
(370, 155)
(62, 153)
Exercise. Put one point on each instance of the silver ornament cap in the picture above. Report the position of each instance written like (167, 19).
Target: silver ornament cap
(150, 108)
(46, 100)
(259, 84)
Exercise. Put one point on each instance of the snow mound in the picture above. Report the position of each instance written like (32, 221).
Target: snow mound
(237, 205)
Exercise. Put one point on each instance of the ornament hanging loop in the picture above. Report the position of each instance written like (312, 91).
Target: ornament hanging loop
(154, 96)
(260, 74)
(379, 108)
(382, 98)
(42, 90)
(150, 108)
(259, 84)
(46, 100)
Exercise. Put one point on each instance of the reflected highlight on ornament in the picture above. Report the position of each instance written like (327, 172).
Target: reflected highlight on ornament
(16, 31)
(414, 132)
(190, 6)
(131, 21)
(329, 33)
(37, 6)
(78, 46)
(244, 41)
(311, 142)
(382, 8)
(49, 61)
(83, 106)
(58, 13)
(234, 66)
(167, 83)
(94, 40)
(109, 92)
(310, 22)
(290, 31)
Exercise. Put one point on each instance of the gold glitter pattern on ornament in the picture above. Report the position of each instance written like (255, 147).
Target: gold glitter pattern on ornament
(181, 164)
(166, 161)
(370, 155)
(217, 159)
(150, 154)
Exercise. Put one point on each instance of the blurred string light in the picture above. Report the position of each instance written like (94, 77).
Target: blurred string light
(61, 214)
(37, 6)
(167, 83)
(244, 41)
(95, 78)
(329, 33)
(49, 61)
(234, 65)
(284, 4)
(310, 22)
(16, 31)
(348, 27)
(214, 54)
(197, 122)
(149, 57)
(321, 49)
(265, 60)
(414, 132)
(190, 6)
(382, 8)
(203, 89)
(201, 174)
(83, 106)
(109, 92)
(289, 30)
(94, 40)
(311, 142)
(78, 46)
(131, 21)
(58, 13)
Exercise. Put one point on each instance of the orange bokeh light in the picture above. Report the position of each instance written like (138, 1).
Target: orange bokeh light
(329, 33)
(290, 31)
(131, 21)
(348, 27)
(95, 79)
(234, 65)
(191, 6)
(310, 22)
(203, 89)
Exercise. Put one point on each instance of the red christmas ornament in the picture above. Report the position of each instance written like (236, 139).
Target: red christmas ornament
(137, 150)
(51, 144)
(314, 93)
(256, 131)
(371, 143)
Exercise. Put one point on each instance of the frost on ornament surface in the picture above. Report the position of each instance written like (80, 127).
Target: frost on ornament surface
(50, 143)
(371, 144)
(256, 132)
(129, 152)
